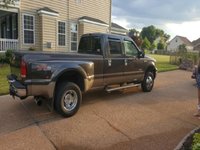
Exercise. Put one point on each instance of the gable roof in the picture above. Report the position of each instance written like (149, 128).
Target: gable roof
(185, 40)
(92, 19)
(196, 42)
(47, 11)
(114, 25)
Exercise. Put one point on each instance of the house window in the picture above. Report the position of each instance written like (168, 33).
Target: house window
(61, 33)
(29, 29)
(74, 36)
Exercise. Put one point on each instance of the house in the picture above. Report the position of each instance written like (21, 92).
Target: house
(174, 44)
(52, 25)
(117, 29)
(196, 44)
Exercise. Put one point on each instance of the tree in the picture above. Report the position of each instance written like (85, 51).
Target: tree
(149, 33)
(135, 35)
(146, 44)
(182, 49)
(152, 47)
(161, 45)
(152, 33)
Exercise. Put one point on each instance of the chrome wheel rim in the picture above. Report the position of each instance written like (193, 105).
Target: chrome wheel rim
(149, 82)
(70, 100)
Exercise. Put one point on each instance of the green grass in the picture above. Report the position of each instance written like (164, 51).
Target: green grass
(4, 71)
(163, 63)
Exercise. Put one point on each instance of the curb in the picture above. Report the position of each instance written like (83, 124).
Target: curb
(180, 145)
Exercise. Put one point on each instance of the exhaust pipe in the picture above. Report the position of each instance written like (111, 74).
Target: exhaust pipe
(38, 100)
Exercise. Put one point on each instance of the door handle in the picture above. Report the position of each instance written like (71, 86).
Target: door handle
(126, 62)
(109, 62)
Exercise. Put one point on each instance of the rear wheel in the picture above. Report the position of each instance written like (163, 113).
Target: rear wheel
(68, 99)
(148, 82)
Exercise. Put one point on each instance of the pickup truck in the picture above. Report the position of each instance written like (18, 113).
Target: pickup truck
(112, 62)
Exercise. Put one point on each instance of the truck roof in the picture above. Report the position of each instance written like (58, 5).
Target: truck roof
(107, 34)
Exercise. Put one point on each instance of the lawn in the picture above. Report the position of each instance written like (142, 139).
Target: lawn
(4, 71)
(163, 63)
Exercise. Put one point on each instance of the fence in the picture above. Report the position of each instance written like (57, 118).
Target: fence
(8, 44)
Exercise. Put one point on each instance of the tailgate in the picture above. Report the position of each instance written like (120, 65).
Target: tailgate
(15, 64)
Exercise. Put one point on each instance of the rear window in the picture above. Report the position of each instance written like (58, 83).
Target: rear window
(90, 45)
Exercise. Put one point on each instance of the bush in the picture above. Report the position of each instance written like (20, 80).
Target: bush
(196, 142)
(2, 58)
(6, 57)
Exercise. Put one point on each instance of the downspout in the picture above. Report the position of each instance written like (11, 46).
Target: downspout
(68, 27)
(110, 22)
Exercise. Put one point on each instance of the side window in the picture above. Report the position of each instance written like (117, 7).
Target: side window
(115, 47)
(130, 49)
(90, 45)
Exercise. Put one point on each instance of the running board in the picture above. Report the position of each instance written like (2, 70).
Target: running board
(121, 87)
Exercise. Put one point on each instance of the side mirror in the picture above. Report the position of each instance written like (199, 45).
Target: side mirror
(141, 54)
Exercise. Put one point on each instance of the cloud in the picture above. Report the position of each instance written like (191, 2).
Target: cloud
(168, 10)
(167, 15)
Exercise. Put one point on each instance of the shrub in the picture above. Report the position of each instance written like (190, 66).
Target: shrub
(2, 58)
(31, 49)
(196, 142)
(8, 56)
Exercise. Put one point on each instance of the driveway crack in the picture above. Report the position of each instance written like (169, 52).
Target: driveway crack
(113, 127)
(37, 124)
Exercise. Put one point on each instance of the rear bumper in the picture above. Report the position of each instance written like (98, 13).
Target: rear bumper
(31, 88)
(16, 88)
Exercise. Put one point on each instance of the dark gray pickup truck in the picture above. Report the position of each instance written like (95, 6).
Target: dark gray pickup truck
(106, 61)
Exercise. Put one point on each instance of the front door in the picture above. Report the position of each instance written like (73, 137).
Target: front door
(133, 71)
(114, 63)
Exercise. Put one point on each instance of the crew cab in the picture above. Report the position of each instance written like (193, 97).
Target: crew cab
(102, 60)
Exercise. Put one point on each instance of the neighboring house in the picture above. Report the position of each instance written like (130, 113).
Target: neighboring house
(196, 45)
(174, 44)
(117, 29)
(52, 25)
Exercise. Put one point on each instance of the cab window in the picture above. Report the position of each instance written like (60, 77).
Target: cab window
(115, 47)
(90, 45)
(130, 49)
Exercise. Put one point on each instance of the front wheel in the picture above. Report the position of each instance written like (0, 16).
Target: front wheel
(148, 82)
(68, 99)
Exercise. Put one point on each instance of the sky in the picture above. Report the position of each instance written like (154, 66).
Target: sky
(175, 17)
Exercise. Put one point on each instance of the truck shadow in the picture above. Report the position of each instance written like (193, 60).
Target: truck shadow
(41, 114)
(21, 114)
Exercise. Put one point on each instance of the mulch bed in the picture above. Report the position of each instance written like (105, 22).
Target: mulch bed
(187, 142)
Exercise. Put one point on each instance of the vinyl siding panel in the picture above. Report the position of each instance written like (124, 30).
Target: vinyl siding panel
(48, 31)
(69, 11)
(99, 9)
(31, 7)
(92, 28)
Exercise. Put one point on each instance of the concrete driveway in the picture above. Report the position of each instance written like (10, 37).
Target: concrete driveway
(129, 119)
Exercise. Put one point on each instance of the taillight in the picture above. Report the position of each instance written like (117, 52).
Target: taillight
(23, 69)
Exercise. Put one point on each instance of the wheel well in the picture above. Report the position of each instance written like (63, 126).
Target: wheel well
(71, 76)
(152, 69)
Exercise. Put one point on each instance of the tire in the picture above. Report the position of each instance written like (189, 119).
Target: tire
(68, 99)
(148, 82)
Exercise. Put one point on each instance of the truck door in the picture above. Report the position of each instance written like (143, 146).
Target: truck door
(134, 65)
(114, 61)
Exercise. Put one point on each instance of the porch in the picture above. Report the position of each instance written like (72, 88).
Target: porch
(9, 30)
(8, 44)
